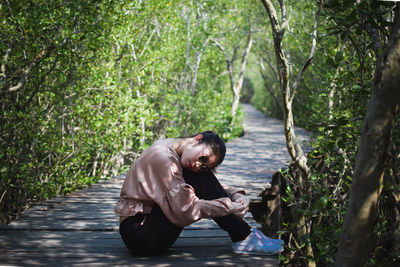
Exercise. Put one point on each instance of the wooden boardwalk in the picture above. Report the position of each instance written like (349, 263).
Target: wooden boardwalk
(81, 229)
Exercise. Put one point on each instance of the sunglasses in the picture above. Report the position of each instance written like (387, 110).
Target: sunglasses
(203, 161)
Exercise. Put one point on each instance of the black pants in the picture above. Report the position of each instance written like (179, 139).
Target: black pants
(153, 233)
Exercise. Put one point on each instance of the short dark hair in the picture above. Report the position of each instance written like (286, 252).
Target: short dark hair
(216, 143)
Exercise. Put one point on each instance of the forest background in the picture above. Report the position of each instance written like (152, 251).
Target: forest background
(87, 85)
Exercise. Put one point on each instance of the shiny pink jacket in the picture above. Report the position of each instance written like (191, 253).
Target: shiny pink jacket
(156, 177)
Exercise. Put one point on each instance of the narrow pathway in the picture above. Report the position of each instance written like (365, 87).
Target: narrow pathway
(82, 230)
(253, 158)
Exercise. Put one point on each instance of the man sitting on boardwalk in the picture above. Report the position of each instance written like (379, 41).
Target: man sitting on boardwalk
(172, 185)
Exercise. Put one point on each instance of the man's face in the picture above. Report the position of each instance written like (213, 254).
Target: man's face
(198, 157)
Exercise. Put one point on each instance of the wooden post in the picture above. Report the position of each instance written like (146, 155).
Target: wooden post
(267, 210)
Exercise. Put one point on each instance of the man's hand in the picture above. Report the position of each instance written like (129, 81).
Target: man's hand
(244, 201)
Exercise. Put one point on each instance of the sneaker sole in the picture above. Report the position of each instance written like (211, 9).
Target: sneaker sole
(258, 253)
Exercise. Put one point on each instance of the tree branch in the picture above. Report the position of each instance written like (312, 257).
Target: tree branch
(133, 52)
(228, 62)
(219, 46)
(267, 86)
(233, 59)
(273, 17)
(310, 58)
(44, 53)
(262, 59)
(3, 65)
(196, 66)
(244, 60)
(42, 80)
(284, 22)
(148, 40)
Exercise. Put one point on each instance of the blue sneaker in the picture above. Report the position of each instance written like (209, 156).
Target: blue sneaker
(266, 238)
(256, 246)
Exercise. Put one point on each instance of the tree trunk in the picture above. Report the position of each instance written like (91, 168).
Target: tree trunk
(271, 90)
(355, 238)
(236, 88)
(287, 94)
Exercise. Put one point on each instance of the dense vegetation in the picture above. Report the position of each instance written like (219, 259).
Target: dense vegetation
(86, 85)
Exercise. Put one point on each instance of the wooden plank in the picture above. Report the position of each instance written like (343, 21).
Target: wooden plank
(183, 259)
(186, 259)
(190, 262)
(100, 245)
(64, 219)
(78, 225)
(62, 215)
(106, 224)
(87, 225)
(15, 235)
(87, 200)
(106, 193)
(122, 251)
(74, 206)
(174, 255)
(116, 186)
(57, 216)
(57, 211)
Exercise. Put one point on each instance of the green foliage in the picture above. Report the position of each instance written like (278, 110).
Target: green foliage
(101, 80)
